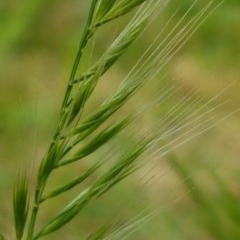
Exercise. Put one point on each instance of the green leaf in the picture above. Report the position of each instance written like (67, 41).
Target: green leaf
(20, 205)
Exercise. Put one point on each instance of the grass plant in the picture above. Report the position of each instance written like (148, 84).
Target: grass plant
(81, 133)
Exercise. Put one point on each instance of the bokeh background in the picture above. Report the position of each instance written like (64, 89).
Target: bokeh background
(197, 186)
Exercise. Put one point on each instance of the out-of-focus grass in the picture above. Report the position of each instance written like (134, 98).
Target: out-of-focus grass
(37, 45)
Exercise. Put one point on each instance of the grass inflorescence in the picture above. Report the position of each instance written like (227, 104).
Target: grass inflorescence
(78, 135)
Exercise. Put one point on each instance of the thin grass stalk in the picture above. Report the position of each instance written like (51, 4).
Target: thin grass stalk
(53, 154)
(86, 36)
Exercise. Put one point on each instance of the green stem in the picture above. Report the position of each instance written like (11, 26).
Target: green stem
(34, 212)
(87, 34)
(32, 222)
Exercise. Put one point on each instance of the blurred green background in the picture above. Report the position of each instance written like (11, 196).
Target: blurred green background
(200, 180)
